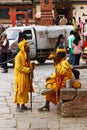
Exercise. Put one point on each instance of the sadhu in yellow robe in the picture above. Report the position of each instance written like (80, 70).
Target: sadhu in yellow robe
(22, 80)
(58, 80)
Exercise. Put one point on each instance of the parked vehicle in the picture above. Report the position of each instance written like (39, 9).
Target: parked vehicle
(42, 39)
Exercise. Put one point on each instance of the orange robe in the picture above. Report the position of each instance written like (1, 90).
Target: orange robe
(58, 80)
(22, 80)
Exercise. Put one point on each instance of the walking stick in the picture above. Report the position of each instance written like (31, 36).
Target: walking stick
(31, 78)
(56, 90)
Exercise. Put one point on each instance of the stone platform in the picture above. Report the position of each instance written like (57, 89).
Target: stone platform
(73, 102)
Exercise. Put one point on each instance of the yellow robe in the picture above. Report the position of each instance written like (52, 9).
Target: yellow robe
(58, 80)
(22, 80)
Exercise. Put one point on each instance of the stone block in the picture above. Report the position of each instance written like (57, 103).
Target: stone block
(73, 102)
(82, 98)
(68, 94)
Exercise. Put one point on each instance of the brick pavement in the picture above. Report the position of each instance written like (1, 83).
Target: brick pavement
(11, 120)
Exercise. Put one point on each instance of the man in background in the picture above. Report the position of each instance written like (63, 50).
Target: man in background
(4, 52)
(63, 21)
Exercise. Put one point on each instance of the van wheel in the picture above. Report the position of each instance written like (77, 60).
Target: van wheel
(41, 60)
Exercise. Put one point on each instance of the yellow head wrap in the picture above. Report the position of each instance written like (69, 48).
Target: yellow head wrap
(21, 46)
(22, 43)
(60, 50)
(51, 56)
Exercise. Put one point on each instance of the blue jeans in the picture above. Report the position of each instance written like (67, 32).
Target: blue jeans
(76, 59)
(71, 58)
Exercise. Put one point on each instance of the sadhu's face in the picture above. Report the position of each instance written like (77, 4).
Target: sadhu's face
(27, 48)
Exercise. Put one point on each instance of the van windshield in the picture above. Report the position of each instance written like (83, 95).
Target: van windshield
(12, 34)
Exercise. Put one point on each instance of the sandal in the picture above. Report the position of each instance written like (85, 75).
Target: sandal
(46, 91)
(18, 109)
(44, 108)
(25, 108)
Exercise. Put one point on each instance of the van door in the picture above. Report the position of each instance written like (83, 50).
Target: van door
(30, 37)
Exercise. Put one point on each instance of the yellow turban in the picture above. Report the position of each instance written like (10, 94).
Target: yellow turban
(60, 50)
(51, 56)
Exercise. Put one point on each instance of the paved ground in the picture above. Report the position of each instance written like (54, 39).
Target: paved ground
(11, 120)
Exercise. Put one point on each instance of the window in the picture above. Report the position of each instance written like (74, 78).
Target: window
(28, 34)
(4, 13)
(46, 1)
(12, 34)
(29, 10)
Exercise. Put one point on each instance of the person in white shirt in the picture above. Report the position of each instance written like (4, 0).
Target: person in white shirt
(71, 50)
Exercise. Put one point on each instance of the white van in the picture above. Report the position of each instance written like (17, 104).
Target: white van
(42, 39)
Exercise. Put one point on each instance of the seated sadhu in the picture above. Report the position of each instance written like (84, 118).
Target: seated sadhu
(54, 82)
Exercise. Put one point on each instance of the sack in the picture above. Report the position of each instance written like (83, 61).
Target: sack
(76, 84)
(76, 73)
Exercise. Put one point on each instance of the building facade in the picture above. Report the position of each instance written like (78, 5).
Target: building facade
(69, 8)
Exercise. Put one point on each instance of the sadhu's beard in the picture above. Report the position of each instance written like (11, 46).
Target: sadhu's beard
(57, 60)
(28, 56)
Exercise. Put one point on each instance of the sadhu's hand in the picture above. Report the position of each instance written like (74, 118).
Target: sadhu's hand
(47, 78)
(33, 65)
(51, 56)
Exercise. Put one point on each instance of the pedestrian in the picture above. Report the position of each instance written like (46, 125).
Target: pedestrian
(77, 46)
(22, 70)
(69, 22)
(74, 23)
(4, 49)
(57, 80)
(85, 42)
(85, 39)
(63, 21)
(80, 24)
(0, 49)
(71, 38)
(60, 42)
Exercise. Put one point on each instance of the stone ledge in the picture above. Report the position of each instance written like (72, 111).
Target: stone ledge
(73, 102)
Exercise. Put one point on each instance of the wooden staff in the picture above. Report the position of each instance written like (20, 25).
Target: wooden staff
(31, 80)
(56, 90)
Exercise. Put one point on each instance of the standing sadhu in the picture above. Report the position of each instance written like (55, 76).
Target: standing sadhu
(22, 70)
(57, 80)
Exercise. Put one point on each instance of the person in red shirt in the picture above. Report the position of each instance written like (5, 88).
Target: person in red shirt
(85, 42)
(84, 54)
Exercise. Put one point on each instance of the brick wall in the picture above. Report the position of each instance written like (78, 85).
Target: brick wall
(46, 13)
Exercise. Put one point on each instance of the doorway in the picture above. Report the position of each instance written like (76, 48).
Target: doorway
(63, 12)
(59, 14)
